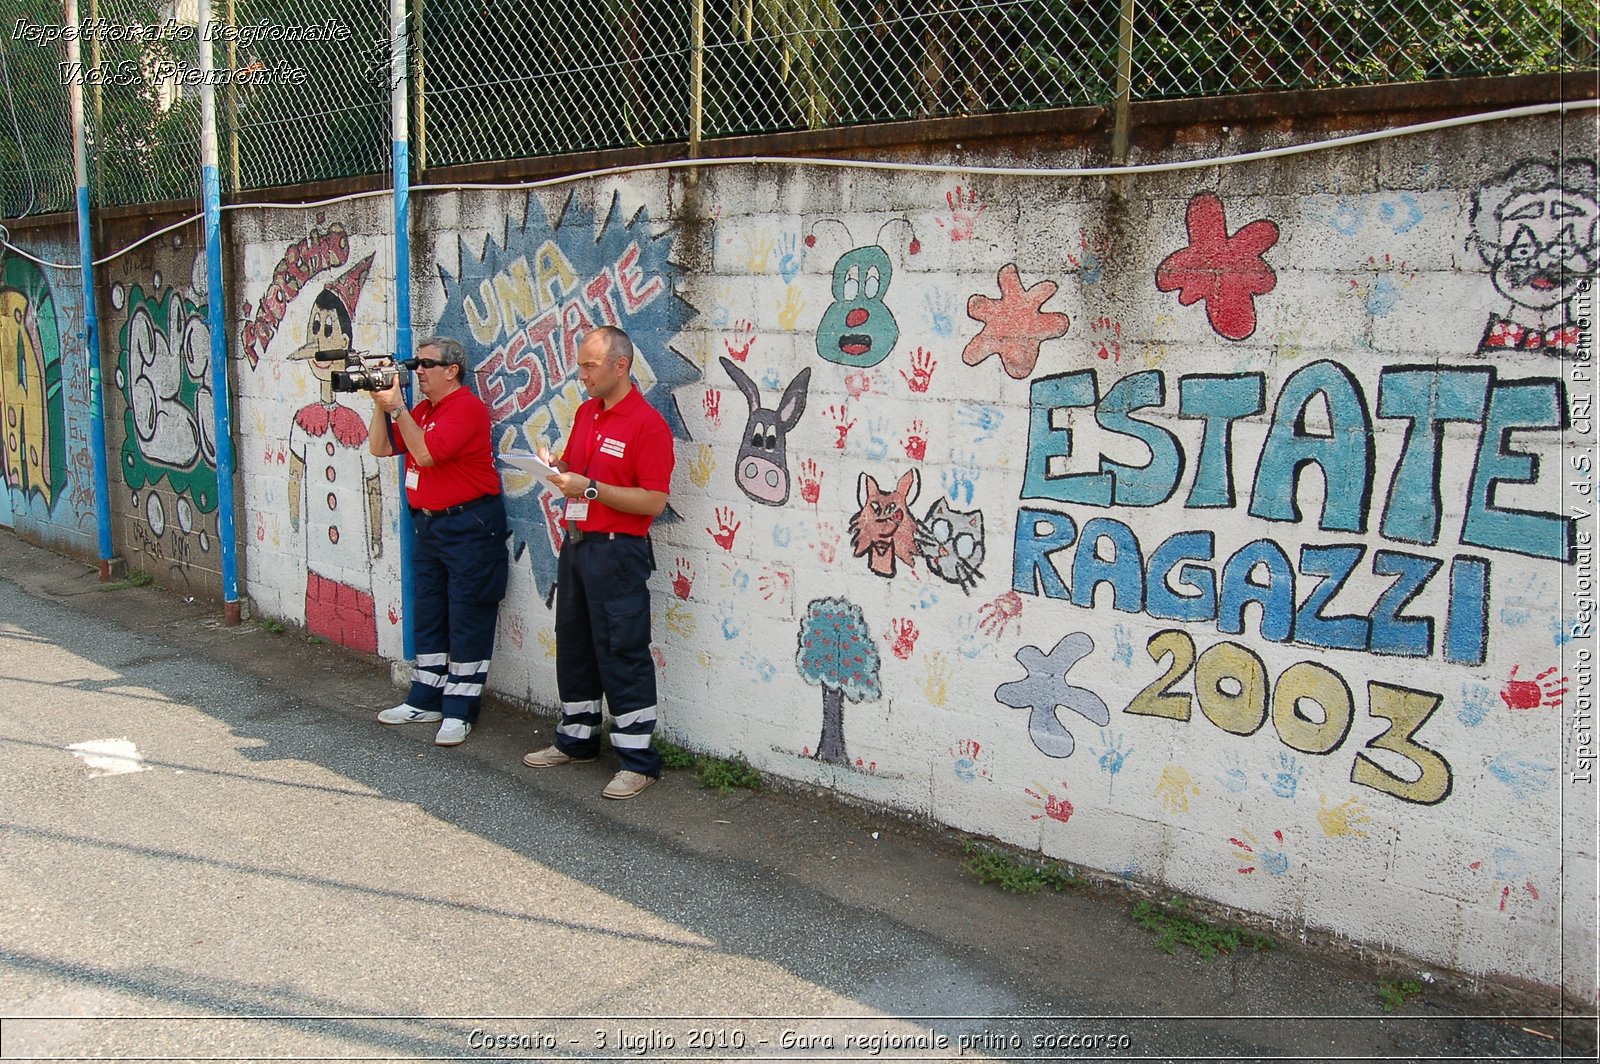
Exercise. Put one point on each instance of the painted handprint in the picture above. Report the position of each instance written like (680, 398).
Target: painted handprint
(1253, 853)
(922, 366)
(810, 481)
(680, 620)
(712, 403)
(1052, 805)
(758, 249)
(842, 423)
(1105, 334)
(1111, 756)
(1286, 781)
(790, 257)
(916, 441)
(904, 632)
(995, 617)
(789, 310)
(939, 307)
(775, 584)
(984, 421)
(965, 207)
(1527, 694)
(726, 528)
(877, 439)
(1175, 788)
(683, 579)
(1346, 818)
(961, 479)
(703, 465)
(936, 683)
(743, 339)
(1234, 777)
(965, 761)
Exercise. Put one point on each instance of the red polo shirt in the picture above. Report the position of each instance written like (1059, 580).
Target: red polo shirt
(629, 446)
(457, 434)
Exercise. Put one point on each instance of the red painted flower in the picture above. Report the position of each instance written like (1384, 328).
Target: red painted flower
(1228, 272)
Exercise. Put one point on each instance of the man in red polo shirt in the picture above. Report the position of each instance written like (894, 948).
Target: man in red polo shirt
(459, 563)
(615, 474)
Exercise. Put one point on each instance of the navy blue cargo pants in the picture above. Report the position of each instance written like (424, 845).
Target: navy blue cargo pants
(459, 567)
(603, 648)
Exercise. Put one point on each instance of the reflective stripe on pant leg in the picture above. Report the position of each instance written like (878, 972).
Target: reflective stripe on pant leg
(477, 562)
(577, 678)
(429, 620)
(623, 649)
(578, 734)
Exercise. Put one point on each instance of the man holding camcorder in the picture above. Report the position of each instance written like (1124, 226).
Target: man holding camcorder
(459, 564)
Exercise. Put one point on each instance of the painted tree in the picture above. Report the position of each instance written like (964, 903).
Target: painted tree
(838, 654)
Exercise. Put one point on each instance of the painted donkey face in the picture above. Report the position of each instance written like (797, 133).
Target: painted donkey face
(883, 529)
(857, 328)
(761, 470)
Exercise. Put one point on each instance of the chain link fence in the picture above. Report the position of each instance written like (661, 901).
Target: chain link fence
(305, 94)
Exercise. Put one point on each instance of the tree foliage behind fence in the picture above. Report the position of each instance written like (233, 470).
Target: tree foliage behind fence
(306, 95)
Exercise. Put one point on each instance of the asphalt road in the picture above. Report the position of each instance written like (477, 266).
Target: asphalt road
(281, 877)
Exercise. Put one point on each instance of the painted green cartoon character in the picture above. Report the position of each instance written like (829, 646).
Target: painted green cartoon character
(857, 328)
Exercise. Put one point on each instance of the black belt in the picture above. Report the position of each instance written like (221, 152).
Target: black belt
(449, 510)
(578, 535)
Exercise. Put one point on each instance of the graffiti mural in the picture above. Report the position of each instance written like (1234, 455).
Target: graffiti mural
(858, 328)
(883, 529)
(1535, 227)
(335, 501)
(837, 653)
(325, 247)
(522, 306)
(1015, 326)
(164, 372)
(1241, 552)
(33, 460)
(760, 468)
(1226, 272)
(168, 457)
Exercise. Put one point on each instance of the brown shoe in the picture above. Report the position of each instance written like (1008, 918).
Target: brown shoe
(550, 757)
(626, 785)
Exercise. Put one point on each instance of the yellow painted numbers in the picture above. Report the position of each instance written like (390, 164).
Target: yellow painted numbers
(1311, 707)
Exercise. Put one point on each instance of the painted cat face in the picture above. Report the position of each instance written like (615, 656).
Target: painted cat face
(883, 528)
(951, 542)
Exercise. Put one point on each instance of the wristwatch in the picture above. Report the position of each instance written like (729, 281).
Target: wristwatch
(592, 491)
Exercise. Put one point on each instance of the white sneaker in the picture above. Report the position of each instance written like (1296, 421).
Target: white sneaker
(452, 732)
(405, 714)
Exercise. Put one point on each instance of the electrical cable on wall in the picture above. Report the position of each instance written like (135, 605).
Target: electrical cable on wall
(1531, 111)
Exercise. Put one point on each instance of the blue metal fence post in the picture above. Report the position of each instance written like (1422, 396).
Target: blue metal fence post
(211, 193)
(400, 138)
(91, 319)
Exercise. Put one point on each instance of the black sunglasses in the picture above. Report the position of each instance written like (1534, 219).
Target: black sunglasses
(428, 363)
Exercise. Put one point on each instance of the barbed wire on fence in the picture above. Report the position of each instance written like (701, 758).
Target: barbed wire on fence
(304, 93)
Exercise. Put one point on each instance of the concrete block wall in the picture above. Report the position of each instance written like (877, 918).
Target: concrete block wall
(46, 459)
(1194, 527)
(161, 424)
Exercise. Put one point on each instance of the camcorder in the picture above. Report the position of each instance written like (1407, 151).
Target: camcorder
(370, 373)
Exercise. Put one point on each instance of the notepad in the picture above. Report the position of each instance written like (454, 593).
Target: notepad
(530, 463)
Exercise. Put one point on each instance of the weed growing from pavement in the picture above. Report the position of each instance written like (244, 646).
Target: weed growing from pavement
(1008, 873)
(717, 772)
(270, 625)
(135, 578)
(1174, 926)
(1395, 994)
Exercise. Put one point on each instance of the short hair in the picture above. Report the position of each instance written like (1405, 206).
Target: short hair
(617, 343)
(450, 352)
